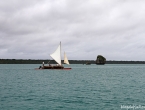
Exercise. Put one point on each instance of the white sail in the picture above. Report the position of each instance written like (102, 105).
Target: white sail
(65, 59)
(57, 55)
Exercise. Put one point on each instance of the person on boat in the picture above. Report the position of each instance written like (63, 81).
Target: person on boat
(43, 64)
(40, 67)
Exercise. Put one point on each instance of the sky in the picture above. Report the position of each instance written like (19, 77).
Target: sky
(33, 29)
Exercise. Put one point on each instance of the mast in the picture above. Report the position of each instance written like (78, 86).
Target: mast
(60, 54)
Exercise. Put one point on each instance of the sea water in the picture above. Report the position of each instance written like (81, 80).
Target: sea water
(85, 87)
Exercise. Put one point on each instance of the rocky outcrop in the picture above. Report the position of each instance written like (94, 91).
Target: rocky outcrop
(100, 60)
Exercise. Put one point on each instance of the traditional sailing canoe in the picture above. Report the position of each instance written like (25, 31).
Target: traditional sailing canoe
(57, 57)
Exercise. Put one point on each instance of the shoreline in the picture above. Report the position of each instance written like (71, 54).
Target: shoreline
(39, 61)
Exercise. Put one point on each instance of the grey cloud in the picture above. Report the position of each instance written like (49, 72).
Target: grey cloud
(33, 29)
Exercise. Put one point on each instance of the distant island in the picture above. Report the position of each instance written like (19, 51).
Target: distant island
(39, 61)
(101, 60)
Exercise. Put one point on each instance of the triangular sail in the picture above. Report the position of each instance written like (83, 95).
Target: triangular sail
(57, 55)
(65, 59)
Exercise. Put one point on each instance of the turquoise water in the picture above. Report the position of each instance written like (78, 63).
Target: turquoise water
(85, 87)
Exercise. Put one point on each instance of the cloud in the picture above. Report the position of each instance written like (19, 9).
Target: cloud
(33, 29)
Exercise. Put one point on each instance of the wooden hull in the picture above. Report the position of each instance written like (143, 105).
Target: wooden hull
(66, 68)
(53, 68)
